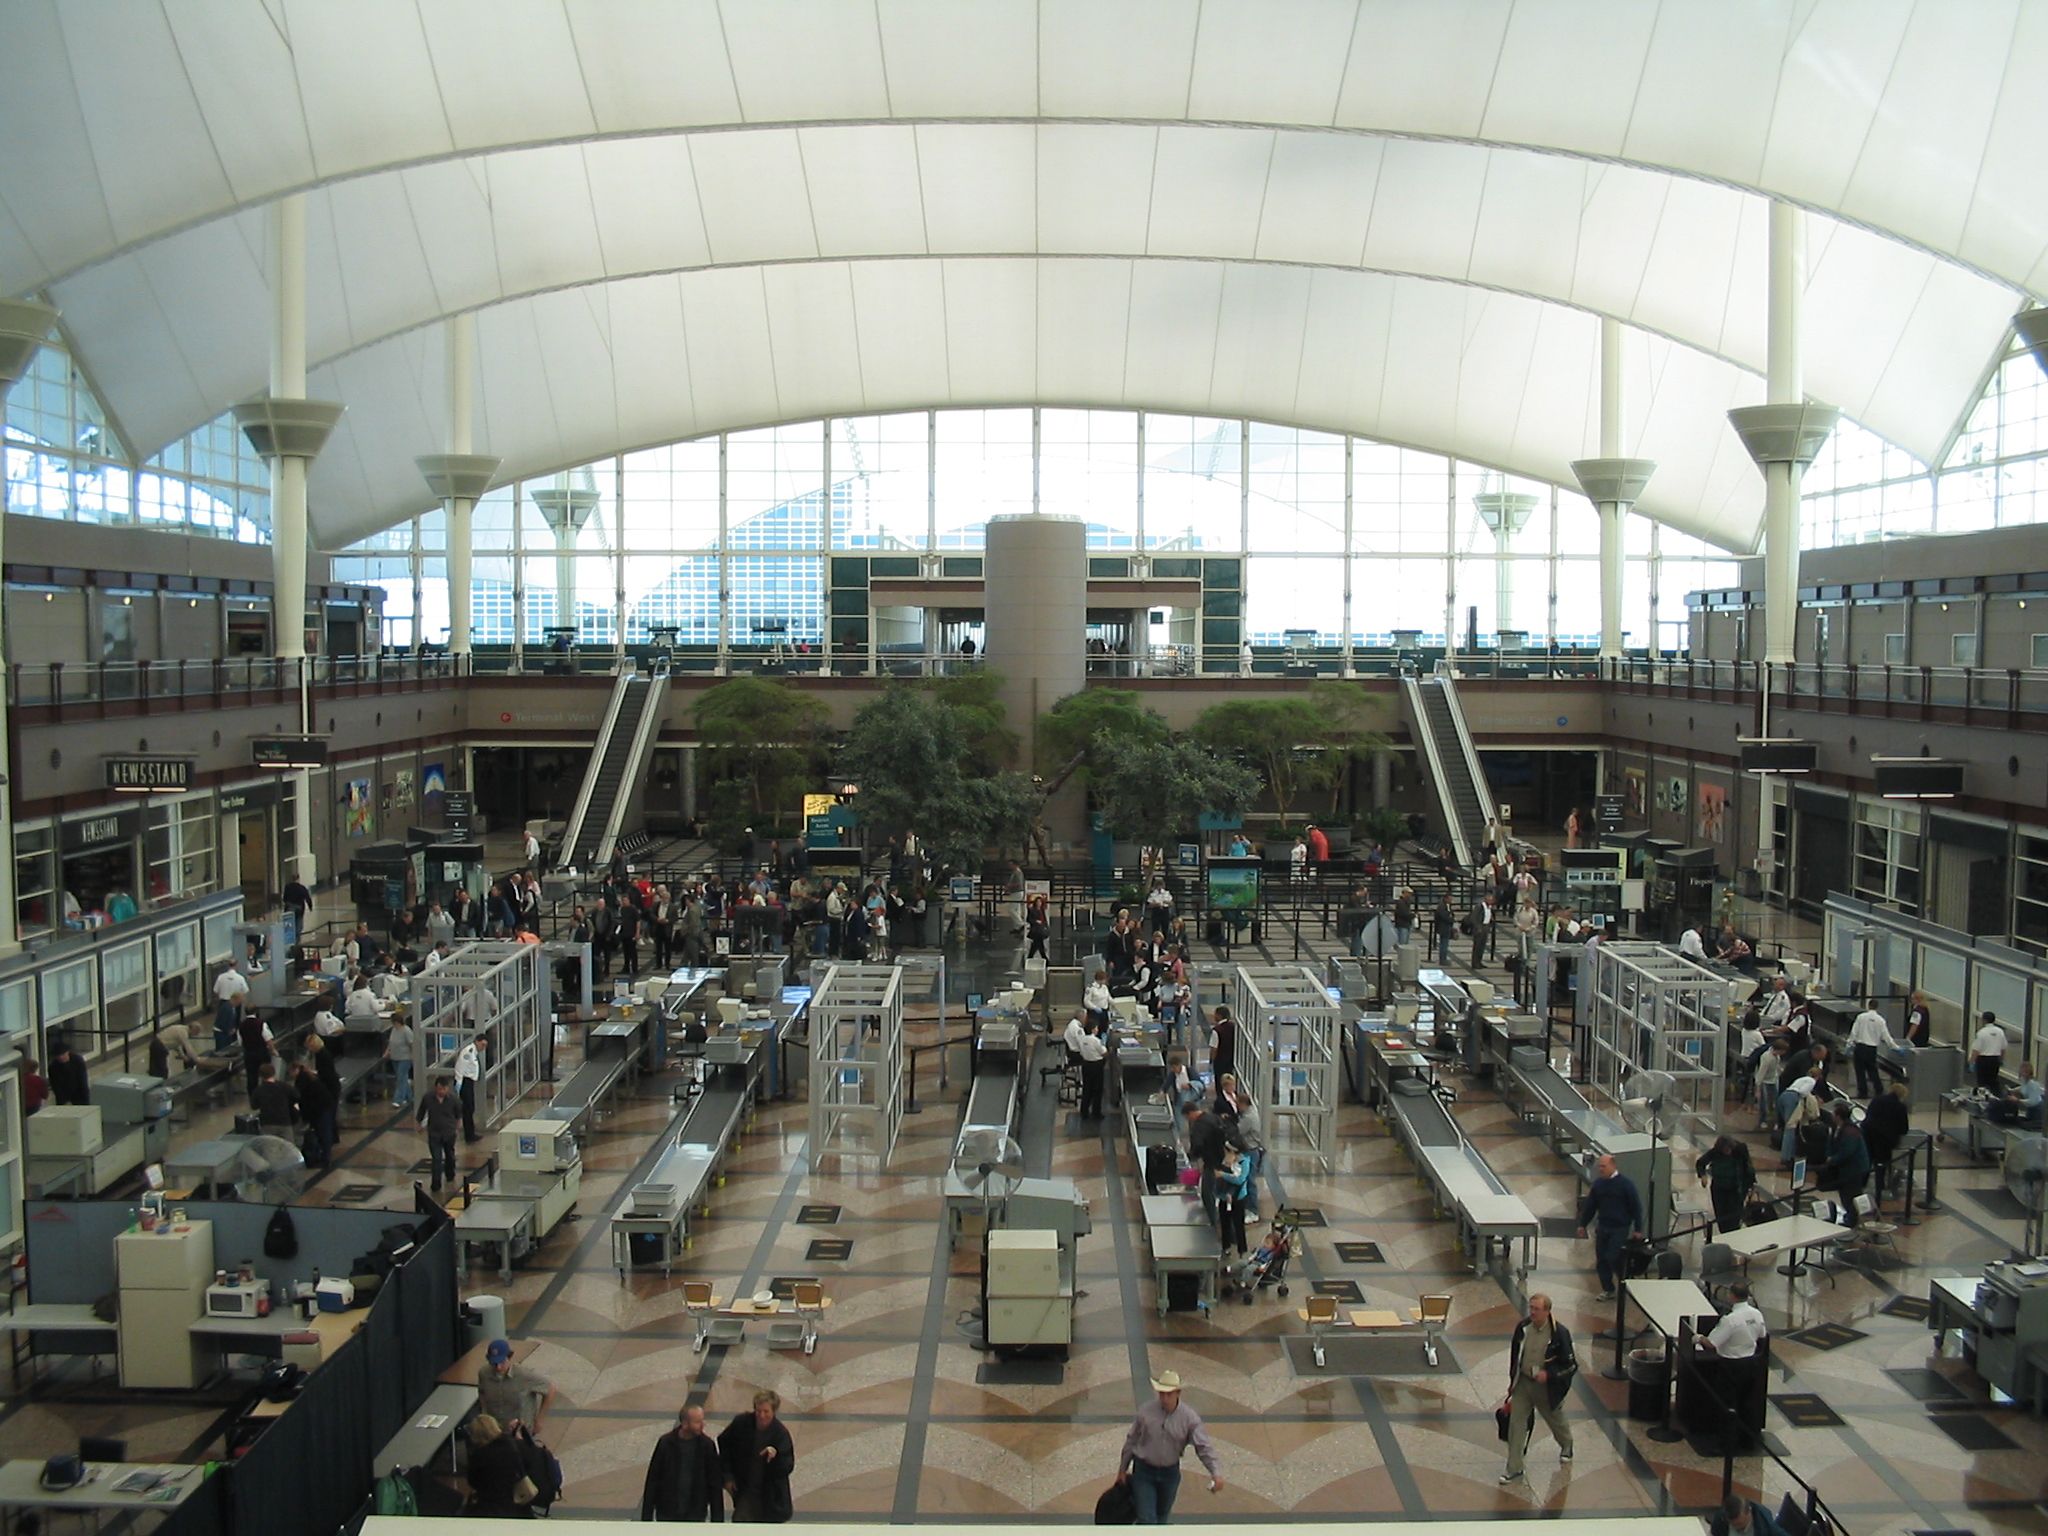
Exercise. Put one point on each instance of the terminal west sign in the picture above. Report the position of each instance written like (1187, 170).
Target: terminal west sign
(132, 775)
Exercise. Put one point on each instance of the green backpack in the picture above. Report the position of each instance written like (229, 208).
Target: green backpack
(395, 1496)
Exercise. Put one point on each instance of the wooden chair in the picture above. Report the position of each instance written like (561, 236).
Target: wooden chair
(1320, 1313)
(701, 1306)
(1434, 1314)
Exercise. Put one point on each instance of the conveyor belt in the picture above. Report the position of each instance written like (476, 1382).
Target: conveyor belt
(583, 1090)
(992, 1101)
(1422, 1121)
(1553, 1088)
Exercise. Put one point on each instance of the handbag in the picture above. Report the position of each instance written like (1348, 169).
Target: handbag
(1117, 1506)
(1500, 1422)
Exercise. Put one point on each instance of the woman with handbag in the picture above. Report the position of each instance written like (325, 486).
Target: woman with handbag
(499, 1488)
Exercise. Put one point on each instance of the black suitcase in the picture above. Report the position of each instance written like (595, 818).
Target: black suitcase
(1183, 1292)
(1160, 1169)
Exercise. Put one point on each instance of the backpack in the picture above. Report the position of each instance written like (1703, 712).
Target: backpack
(1117, 1506)
(394, 1496)
(281, 1238)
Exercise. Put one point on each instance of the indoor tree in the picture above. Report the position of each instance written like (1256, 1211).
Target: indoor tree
(1069, 731)
(918, 761)
(1300, 743)
(764, 738)
(1153, 792)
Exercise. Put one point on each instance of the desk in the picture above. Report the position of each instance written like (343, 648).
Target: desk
(494, 1220)
(331, 1330)
(432, 1425)
(1952, 1302)
(21, 1488)
(1186, 1250)
(206, 1162)
(1500, 1218)
(1791, 1234)
(1173, 1211)
(740, 1313)
(28, 1322)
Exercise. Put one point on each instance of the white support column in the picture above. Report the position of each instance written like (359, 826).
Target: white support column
(1782, 436)
(1612, 483)
(23, 329)
(459, 476)
(288, 431)
(1349, 653)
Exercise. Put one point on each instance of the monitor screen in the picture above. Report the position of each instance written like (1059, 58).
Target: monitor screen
(1799, 1173)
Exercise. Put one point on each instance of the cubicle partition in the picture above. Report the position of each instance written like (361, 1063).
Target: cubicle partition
(1962, 975)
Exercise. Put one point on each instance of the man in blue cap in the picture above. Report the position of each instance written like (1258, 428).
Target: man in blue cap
(516, 1397)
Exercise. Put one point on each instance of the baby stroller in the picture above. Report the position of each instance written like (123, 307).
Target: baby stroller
(1267, 1264)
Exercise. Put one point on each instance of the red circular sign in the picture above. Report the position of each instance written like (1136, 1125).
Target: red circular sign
(505, 718)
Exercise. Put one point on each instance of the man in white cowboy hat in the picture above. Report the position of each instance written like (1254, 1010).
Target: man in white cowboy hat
(1159, 1437)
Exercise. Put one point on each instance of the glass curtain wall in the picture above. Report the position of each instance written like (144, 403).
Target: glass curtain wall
(727, 543)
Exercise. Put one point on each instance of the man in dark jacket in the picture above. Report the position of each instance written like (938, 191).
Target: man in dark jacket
(1885, 1123)
(1208, 1139)
(441, 1113)
(1848, 1160)
(68, 1083)
(685, 1478)
(316, 1109)
(275, 1105)
(255, 1048)
(1613, 1208)
(758, 1456)
(1541, 1365)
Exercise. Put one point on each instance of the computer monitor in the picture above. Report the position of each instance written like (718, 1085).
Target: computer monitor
(1799, 1173)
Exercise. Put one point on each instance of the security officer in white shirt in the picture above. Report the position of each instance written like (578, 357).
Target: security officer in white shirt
(1074, 1034)
(1987, 1052)
(1689, 945)
(1729, 1358)
(1866, 1034)
(469, 1066)
(1778, 1006)
(1094, 1055)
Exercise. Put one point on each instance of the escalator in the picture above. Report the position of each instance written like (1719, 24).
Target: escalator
(617, 763)
(1444, 747)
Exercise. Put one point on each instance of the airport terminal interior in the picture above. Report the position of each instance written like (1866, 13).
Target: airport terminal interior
(1460, 591)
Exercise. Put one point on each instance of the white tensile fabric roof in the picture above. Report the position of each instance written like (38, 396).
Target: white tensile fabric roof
(1401, 218)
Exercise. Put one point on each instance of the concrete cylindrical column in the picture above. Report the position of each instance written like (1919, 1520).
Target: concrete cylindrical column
(1037, 615)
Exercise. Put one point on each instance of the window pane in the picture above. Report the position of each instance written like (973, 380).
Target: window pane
(572, 508)
(1088, 468)
(1297, 489)
(1293, 594)
(774, 488)
(1397, 500)
(672, 496)
(880, 482)
(1193, 495)
(1388, 594)
(983, 471)
(578, 588)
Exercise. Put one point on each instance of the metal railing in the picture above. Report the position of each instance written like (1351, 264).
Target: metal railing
(1974, 691)
(90, 687)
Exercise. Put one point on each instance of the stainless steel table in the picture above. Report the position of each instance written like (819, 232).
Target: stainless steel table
(21, 1487)
(432, 1425)
(494, 1219)
(206, 1162)
(1185, 1250)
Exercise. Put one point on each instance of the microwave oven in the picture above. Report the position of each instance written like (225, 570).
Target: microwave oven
(235, 1300)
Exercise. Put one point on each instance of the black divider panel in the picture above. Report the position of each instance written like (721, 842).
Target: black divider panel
(310, 1471)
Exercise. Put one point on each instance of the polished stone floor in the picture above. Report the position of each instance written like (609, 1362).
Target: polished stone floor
(890, 1422)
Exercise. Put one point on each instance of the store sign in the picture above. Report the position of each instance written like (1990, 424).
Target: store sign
(250, 797)
(458, 808)
(95, 832)
(133, 775)
(289, 751)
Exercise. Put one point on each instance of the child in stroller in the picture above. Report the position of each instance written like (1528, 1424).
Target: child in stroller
(1268, 1263)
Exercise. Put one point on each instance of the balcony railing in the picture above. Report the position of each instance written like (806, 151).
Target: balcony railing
(1980, 694)
(118, 687)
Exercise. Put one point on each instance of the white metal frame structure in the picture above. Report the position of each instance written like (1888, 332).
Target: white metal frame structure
(497, 987)
(856, 1064)
(1647, 1006)
(1287, 1028)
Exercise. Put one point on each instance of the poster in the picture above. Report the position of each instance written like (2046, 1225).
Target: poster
(433, 781)
(402, 789)
(1634, 793)
(1233, 888)
(360, 816)
(1713, 813)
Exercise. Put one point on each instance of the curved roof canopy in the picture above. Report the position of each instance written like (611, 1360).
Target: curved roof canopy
(1395, 217)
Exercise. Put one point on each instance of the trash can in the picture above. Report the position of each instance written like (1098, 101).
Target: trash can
(1647, 1386)
(483, 1319)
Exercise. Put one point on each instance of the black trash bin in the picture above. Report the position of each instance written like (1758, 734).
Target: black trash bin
(1648, 1386)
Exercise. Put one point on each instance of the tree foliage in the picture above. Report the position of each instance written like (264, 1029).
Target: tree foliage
(976, 700)
(1300, 743)
(917, 757)
(764, 735)
(1071, 728)
(1154, 791)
